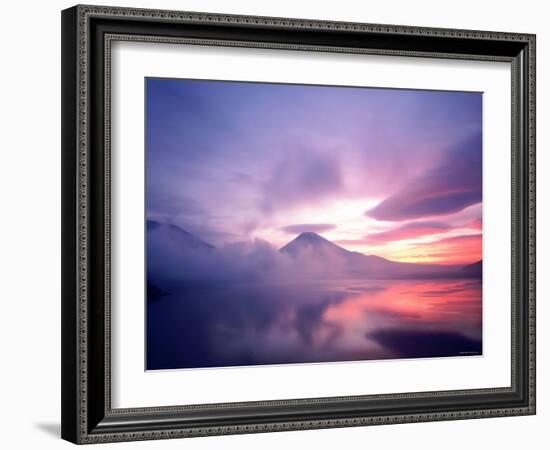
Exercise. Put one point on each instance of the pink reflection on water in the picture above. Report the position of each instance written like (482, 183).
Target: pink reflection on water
(425, 306)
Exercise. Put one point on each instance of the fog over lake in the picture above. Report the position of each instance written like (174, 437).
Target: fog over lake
(351, 319)
(311, 301)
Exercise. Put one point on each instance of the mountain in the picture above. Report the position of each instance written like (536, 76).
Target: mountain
(174, 235)
(474, 270)
(312, 249)
(175, 254)
(309, 241)
(172, 253)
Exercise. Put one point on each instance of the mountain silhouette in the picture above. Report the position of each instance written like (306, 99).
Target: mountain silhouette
(311, 248)
(173, 235)
(173, 253)
(474, 270)
(315, 243)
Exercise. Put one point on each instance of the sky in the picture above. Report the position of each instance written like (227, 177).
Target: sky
(391, 172)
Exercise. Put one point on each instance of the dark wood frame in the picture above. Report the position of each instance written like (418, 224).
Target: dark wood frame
(87, 32)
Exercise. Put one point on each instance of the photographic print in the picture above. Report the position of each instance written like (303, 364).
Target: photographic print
(291, 223)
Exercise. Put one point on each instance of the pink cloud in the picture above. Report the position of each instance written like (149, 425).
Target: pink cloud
(304, 227)
(409, 230)
(450, 187)
(453, 250)
(475, 224)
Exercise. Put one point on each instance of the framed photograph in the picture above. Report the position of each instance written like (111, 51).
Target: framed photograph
(278, 224)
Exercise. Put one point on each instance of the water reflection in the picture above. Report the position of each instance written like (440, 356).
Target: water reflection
(233, 324)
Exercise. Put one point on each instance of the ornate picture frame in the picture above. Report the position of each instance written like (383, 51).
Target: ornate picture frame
(88, 415)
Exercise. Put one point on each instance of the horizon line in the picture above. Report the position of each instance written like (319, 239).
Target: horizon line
(324, 238)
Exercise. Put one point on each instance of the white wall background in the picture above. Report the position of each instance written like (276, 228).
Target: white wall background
(30, 225)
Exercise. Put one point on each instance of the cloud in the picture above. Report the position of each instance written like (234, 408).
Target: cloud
(460, 240)
(305, 227)
(176, 256)
(451, 186)
(302, 176)
(461, 249)
(165, 204)
(475, 224)
(410, 230)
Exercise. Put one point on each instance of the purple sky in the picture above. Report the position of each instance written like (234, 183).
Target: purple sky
(382, 171)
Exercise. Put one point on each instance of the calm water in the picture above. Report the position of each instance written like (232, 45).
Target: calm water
(234, 325)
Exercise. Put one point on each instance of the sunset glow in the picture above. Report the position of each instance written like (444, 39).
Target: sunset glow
(299, 224)
(379, 171)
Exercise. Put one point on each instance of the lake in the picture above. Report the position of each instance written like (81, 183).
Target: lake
(232, 324)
